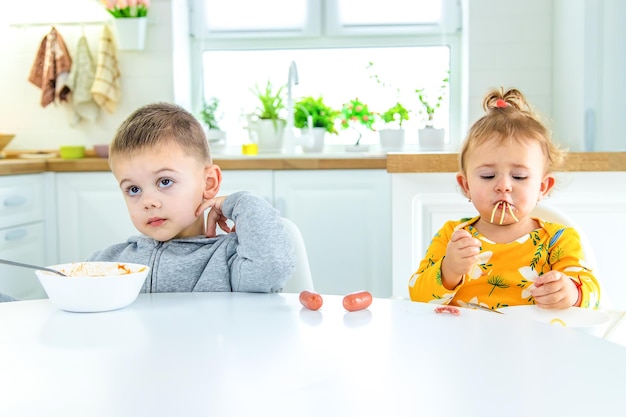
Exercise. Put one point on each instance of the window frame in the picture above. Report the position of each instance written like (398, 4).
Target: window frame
(265, 41)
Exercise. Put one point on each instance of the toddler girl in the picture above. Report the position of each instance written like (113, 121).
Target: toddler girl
(504, 256)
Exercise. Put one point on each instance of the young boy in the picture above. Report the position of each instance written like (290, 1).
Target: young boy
(161, 160)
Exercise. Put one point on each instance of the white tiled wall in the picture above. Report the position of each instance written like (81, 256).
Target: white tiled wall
(510, 45)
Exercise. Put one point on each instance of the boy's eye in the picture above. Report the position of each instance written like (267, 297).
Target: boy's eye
(133, 190)
(165, 182)
(487, 177)
(519, 177)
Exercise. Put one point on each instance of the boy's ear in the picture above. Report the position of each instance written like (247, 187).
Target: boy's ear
(212, 181)
(546, 186)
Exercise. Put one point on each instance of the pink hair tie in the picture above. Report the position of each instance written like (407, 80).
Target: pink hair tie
(501, 103)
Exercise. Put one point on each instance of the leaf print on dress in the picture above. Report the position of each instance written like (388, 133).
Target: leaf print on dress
(497, 281)
(555, 238)
(529, 275)
(481, 265)
(444, 299)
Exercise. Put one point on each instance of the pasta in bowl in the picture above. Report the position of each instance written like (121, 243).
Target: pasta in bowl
(93, 286)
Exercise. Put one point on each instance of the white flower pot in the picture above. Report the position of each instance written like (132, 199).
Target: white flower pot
(216, 138)
(391, 139)
(313, 141)
(431, 138)
(267, 134)
(131, 33)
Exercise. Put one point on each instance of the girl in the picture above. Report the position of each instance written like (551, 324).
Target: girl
(503, 256)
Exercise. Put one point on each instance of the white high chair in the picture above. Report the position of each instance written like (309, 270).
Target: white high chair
(301, 279)
(555, 215)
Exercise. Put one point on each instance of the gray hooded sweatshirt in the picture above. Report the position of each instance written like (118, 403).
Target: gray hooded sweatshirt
(257, 257)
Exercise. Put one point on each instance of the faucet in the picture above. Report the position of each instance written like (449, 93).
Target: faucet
(291, 81)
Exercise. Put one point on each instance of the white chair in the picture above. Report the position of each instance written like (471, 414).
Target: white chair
(555, 215)
(301, 279)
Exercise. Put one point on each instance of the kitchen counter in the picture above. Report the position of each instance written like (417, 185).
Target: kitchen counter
(392, 162)
(448, 162)
(240, 162)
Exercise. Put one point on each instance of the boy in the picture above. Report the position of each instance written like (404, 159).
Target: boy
(161, 160)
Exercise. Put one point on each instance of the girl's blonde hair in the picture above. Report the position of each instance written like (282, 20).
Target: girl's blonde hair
(508, 116)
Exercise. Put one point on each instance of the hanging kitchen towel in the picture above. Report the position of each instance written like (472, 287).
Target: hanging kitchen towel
(106, 89)
(79, 82)
(51, 67)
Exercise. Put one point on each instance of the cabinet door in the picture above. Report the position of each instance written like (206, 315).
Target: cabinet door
(257, 182)
(91, 214)
(24, 243)
(21, 199)
(344, 217)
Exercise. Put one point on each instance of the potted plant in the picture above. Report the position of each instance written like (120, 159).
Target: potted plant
(392, 136)
(429, 136)
(312, 113)
(265, 125)
(130, 21)
(210, 119)
(353, 115)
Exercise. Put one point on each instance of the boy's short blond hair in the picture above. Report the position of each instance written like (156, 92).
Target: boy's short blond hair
(509, 117)
(157, 123)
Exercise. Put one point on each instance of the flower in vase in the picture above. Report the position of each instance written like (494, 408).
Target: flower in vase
(126, 8)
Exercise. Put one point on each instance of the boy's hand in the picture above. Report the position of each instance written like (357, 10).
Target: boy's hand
(554, 290)
(214, 217)
(461, 254)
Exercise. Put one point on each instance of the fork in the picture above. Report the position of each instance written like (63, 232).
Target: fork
(474, 305)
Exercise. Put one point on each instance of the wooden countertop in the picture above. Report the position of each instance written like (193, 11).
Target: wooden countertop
(575, 161)
(393, 163)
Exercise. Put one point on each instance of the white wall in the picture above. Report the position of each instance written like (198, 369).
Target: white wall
(509, 43)
(146, 76)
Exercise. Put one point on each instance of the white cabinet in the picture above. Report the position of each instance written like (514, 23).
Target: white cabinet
(22, 234)
(344, 217)
(596, 201)
(91, 214)
(345, 220)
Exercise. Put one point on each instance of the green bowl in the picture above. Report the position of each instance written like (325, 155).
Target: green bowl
(72, 152)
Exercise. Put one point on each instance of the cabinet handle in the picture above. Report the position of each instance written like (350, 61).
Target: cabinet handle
(16, 234)
(14, 201)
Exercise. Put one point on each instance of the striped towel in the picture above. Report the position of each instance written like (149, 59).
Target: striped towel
(106, 90)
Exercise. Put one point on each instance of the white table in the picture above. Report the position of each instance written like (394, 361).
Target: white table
(235, 354)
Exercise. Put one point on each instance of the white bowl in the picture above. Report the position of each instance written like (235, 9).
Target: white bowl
(93, 286)
(585, 319)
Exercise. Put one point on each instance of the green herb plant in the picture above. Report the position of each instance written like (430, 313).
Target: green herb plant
(397, 113)
(271, 102)
(208, 113)
(322, 115)
(430, 106)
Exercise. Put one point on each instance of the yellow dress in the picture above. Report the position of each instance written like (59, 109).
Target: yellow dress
(505, 272)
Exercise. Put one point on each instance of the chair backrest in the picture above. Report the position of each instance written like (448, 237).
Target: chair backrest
(301, 279)
(555, 215)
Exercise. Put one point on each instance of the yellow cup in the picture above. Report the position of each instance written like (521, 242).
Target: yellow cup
(249, 149)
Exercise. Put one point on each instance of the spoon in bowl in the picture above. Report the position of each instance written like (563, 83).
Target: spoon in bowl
(41, 268)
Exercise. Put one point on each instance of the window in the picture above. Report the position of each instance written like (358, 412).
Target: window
(349, 52)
